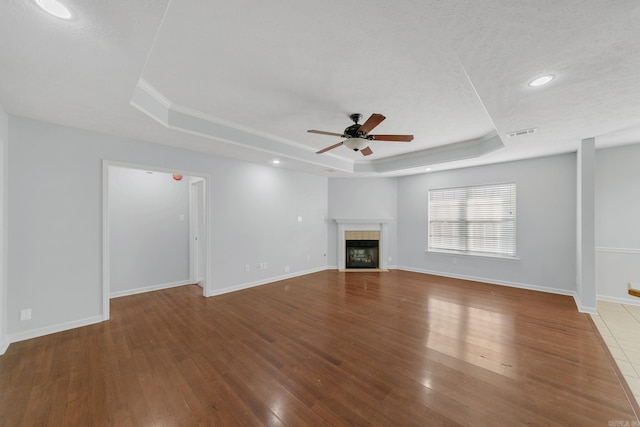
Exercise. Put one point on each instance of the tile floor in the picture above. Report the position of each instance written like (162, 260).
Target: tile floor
(619, 325)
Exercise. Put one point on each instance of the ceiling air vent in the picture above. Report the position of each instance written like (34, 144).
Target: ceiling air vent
(522, 132)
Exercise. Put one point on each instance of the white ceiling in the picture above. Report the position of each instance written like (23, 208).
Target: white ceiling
(247, 79)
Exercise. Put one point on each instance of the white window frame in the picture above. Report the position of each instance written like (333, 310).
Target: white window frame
(478, 220)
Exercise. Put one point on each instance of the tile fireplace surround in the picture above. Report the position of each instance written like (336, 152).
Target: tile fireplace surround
(381, 225)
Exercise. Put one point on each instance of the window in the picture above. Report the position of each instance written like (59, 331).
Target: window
(479, 220)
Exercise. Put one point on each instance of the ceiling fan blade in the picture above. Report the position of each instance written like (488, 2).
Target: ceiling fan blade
(371, 122)
(331, 147)
(393, 138)
(321, 132)
(366, 151)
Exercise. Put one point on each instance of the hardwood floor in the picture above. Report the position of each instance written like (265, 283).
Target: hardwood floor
(382, 349)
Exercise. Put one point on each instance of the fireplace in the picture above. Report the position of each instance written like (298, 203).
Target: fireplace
(368, 233)
(361, 253)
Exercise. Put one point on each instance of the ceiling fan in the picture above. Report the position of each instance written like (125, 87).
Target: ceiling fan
(357, 136)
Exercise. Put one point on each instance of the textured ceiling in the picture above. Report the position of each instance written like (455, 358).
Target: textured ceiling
(246, 79)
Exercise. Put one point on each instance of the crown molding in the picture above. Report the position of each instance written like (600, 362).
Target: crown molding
(154, 104)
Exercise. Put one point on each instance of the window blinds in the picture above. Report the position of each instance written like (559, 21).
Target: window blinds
(473, 220)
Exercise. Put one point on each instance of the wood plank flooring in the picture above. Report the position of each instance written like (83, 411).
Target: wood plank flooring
(326, 349)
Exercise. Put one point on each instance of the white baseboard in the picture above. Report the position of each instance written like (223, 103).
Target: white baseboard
(248, 285)
(492, 282)
(34, 333)
(582, 308)
(126, 292)
(627, 301)
(4, 345)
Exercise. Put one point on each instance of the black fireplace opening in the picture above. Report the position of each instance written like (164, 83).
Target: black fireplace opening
(362, 253)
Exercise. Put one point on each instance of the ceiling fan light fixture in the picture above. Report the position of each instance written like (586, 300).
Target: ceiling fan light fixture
(541, 80)
(356, 144)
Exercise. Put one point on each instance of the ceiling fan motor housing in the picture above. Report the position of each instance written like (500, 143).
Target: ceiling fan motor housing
(353, 132)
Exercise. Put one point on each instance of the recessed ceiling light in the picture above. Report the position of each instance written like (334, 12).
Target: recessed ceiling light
(542, 80)
(55, 8)
(427, 169)
(275, 161)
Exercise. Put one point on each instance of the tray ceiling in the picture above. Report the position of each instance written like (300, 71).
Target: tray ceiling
(247, 79)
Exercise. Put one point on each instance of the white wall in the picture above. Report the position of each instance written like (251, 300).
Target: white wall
(256, 220)
(4, 136)
(55, 216)
(617, 201)
(585, 227)
(148, 230)
(546, 230)
(54, 208)
(362, 198)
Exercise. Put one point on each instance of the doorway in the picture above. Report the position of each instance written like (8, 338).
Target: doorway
(154, 230)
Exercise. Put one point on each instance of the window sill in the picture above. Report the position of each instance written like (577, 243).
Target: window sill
(472, 255)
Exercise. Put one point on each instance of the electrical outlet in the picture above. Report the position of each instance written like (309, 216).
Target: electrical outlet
(265, 265)
(247, 267)
(299, 219)
(25, 314)
(308, 257)
(261, 266)
(286, 268)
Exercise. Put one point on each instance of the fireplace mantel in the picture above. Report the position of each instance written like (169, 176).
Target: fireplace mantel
(350, 224)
